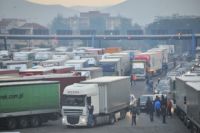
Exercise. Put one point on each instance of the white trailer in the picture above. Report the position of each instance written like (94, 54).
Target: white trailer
(109, 96)
(23, 56)
(192, 118)
(91, 72)
(77, 64)
(181, 94)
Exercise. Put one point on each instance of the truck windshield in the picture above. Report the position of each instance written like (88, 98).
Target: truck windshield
(138, 70)
(73, 100)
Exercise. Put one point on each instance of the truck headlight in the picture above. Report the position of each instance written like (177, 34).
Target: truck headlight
(83, 120)
(64, 120)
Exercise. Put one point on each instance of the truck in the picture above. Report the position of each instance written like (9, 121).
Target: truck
(152, 62)
(63, 79)
(164, 56)
(192, 118)
(111, 67)
(181, 98)
(103, 94)
(139, 69)
(25, 104)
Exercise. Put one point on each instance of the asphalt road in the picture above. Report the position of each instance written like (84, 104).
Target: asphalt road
(173, 125)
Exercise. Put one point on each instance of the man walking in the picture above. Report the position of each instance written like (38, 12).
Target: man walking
(133, 113)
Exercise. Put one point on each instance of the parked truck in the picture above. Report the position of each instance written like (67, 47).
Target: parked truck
(139, 69)
(24, 104)
(109, 96)
(181, 97)
(63, 79)
(192, 117)
(152, 62)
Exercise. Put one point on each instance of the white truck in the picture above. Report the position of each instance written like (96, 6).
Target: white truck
(109, 96)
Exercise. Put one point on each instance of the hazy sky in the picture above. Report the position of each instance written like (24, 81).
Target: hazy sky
(69, 3)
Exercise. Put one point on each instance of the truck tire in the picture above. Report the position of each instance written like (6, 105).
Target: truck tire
(112, 119)
(35, 121)
(23, 122)
(11, 123)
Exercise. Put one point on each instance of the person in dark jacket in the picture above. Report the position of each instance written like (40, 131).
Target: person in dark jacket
(133, 113)
(150, 108)
(90, 112)
(164, 108)
(164, 113)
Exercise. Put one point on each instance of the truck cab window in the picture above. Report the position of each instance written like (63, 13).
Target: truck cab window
(88, 100)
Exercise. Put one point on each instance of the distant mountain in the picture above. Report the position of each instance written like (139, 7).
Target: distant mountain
(141, 11)
(144, 11)
(33, 12)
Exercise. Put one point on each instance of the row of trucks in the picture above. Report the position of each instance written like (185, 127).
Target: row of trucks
(150, 63)
(187, 97)
(32, 102)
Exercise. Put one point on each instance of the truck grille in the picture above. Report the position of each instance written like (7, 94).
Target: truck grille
(73, 119)
(74, 112)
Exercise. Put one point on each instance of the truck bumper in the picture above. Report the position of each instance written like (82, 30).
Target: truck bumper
(74, 120)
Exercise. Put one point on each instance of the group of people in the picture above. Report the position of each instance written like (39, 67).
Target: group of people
(162, 107)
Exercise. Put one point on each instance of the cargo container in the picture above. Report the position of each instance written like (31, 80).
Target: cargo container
(112, 50)
(192, 118)
(63, 79)
(180, 92)
(101, 93)
(51, 63)
(23, 56)
(17, 65)
(42, 56)
(91, 72)
(111, 67)
(25, 104)
(38, 71)
(77, 64)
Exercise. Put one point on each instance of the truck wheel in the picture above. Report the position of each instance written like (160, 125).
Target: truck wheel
(112, 119)
(11, 123)
(35, 121)
(23, 122)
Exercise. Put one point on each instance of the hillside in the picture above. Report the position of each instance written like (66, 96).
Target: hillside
(32, 12)
(144, 11)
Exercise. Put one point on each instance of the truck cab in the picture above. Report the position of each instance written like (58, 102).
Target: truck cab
(75, 102)
(139, 69)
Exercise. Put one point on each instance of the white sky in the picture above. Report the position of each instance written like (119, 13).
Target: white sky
(69, 3)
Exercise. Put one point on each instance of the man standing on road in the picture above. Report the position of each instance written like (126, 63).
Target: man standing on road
(133, 79)
(133, 113)
(164, 108)
(90, 117)
(150, 108)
